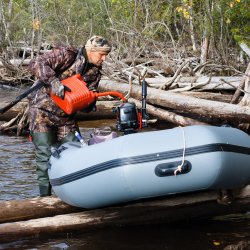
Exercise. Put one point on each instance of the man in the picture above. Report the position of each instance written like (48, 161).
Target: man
(49, 124)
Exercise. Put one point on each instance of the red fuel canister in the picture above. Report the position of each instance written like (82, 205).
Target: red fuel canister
(80, 96)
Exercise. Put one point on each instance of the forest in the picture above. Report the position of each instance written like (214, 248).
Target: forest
(194, 54)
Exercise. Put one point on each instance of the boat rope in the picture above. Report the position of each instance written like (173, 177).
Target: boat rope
(179, 167)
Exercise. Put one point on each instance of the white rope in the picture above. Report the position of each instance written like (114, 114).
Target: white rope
(179, 167)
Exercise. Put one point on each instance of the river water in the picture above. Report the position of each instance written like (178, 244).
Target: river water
(18, 181)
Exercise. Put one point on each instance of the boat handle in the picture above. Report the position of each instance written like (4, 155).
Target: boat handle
(169, 168)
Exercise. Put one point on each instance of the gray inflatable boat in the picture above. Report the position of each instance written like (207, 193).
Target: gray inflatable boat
(151, 164)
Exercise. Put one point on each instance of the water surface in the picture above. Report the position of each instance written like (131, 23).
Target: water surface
(17, 168)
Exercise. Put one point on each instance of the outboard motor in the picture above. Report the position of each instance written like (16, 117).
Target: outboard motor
(129, 118)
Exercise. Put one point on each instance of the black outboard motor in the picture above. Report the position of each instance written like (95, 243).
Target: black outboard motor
(129, 118)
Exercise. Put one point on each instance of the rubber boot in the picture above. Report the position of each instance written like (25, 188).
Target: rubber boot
(43, 142)
(45, 190)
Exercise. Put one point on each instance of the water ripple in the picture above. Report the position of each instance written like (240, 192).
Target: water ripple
(17, 168)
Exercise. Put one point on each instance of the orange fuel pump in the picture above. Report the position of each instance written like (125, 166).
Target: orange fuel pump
(80, 96)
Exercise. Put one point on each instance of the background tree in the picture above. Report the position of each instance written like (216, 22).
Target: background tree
(208, 30)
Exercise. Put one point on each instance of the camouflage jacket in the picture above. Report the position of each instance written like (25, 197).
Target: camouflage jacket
(60, 63)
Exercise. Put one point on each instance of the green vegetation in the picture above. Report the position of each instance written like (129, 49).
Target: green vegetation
(134, 26)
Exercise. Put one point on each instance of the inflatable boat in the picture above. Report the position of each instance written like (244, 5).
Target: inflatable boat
(151, 164)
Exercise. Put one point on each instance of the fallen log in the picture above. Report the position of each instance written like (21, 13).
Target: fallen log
(202, 82)
(168, 116)
(104, 110)
(174, 208)
(192, 105)
(18, 210)
(209, 96)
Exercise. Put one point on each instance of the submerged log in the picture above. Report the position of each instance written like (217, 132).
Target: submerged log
(173, 208)
(192, 105)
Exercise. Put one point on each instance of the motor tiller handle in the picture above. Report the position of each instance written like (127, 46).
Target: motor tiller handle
(39, 85)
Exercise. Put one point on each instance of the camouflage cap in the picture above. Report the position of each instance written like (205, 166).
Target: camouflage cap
(98, 43)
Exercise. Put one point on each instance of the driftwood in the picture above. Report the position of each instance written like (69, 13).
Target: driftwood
(170, 83)
(191, 105)
(168, 116)
(16, 62)
(215, 83)
(165, 210)
(246, 98)
(13, 112)
(187, 104)
(7, 95)
(238, 92)
(210, 96)
(21, 210)
(8, 125)
(104, 110)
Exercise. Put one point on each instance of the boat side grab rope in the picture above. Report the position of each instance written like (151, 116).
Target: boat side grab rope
(179, 167)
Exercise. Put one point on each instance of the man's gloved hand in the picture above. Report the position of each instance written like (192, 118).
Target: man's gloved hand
(57, 88)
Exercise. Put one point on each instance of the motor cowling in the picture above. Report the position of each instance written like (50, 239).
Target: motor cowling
(128, 118)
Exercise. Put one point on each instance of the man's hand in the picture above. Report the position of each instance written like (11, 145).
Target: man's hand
(58, 88)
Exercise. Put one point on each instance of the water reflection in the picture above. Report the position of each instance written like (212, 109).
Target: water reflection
(17, 171)
(205, 235)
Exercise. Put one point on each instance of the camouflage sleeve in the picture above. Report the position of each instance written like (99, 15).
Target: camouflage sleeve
(92, 78)
(49, 66)
(94, 85)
